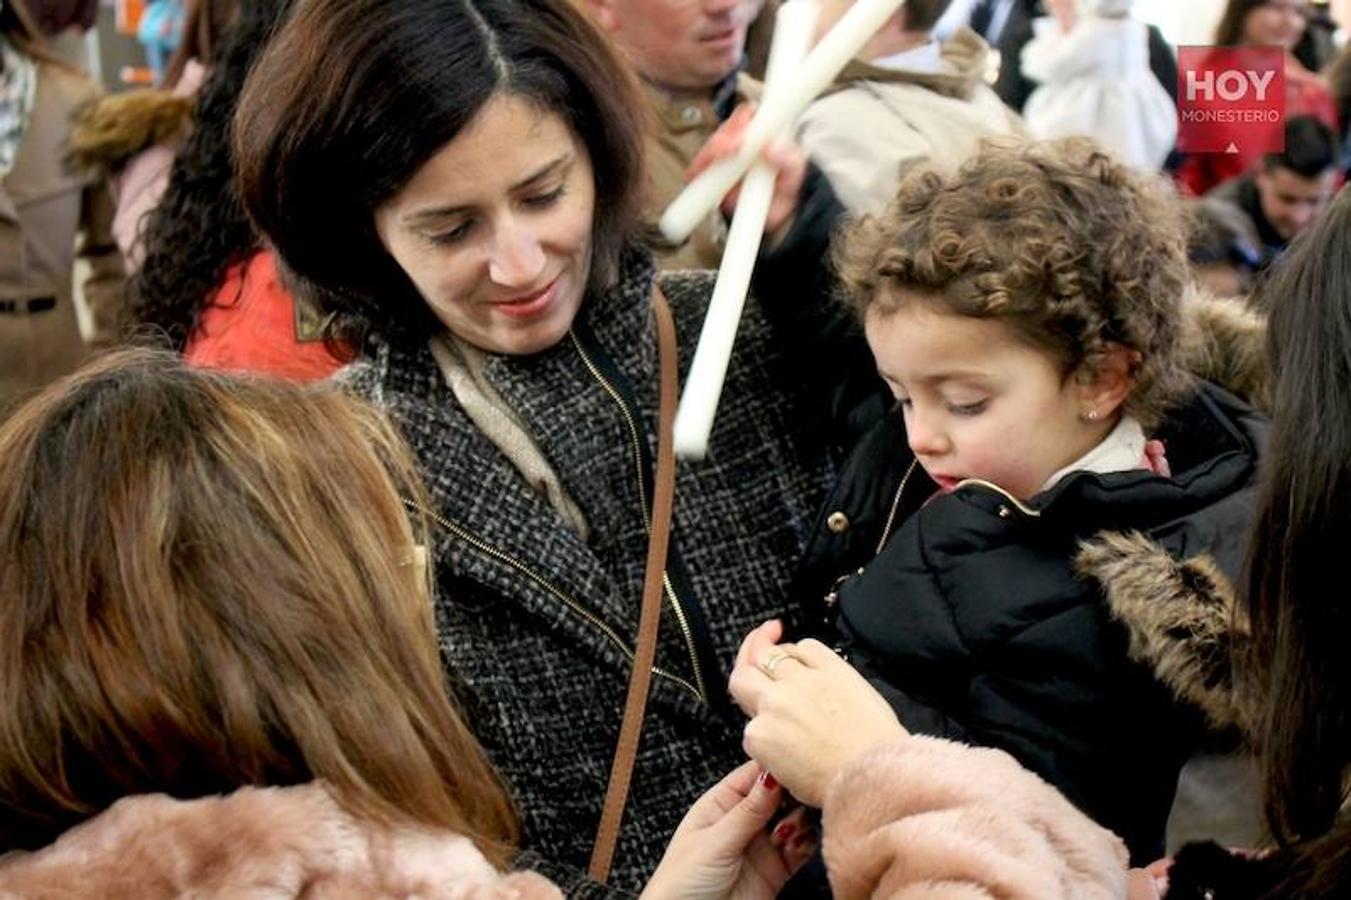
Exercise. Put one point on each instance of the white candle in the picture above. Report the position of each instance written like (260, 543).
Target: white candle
(793, 27)
(778, 111)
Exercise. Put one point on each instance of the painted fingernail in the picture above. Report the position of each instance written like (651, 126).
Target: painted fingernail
(784, 832)
(770, 782)
(801, 840)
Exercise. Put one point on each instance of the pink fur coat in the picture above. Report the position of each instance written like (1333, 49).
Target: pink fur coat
(256, 844)
(929, 819)
(920, 819)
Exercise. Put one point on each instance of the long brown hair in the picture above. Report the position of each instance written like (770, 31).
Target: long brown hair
(1297, 602)
(210, 582)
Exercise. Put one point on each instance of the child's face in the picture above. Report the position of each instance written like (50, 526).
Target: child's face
(979, 403)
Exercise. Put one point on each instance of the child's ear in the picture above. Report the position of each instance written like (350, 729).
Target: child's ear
(1103, 391)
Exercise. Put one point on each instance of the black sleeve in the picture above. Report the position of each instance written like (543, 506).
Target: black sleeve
(917, 716)
(795, 285)
(1162, 62)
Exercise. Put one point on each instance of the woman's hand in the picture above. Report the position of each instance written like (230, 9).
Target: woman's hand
(783, 155)
(811, 713)
(720, 849)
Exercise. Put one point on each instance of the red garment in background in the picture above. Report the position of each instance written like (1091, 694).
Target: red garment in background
(1305, 95)
(250, 326)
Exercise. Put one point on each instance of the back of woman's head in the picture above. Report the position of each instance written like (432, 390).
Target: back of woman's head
(209, 583)
(199, 229)
(355, 96)
(1301, 617)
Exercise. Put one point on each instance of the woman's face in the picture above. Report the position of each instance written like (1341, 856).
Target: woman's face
(1276, 23)
(495, 230)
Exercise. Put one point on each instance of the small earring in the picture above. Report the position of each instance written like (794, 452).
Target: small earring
(1091, 415)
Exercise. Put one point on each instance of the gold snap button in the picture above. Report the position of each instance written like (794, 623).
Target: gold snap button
(837, 522)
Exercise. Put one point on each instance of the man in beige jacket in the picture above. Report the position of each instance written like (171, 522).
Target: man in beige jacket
(689, 53)
(48, 216)
(904, 99)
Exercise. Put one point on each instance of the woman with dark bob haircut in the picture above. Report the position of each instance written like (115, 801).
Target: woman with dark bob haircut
(457, 183)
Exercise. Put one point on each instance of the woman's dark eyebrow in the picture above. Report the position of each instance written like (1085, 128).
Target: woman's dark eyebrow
(436, 214)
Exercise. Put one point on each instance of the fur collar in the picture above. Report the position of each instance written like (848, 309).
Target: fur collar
(1224, 341)
(257, 842)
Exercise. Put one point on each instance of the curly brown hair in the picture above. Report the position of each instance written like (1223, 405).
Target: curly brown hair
(1069, 247)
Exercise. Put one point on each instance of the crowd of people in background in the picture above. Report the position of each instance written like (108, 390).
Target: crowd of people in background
(331, 439)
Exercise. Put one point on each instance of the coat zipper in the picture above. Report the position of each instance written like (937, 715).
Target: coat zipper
(833, 596)
(594, 620)
(1022, 507)
(636, 444)
(895, 505)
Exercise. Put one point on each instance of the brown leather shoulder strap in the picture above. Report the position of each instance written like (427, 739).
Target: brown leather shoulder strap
(645, 651)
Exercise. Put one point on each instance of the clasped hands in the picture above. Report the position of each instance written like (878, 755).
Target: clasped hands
(811, 714)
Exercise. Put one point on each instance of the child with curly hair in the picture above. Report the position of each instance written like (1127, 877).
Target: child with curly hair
(1027, 315)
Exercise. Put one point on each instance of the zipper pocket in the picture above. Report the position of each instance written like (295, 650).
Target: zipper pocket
(587, 615)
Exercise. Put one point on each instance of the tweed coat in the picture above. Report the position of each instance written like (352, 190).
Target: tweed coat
(537, 624)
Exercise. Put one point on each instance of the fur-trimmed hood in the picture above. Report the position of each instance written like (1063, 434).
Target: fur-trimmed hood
(1181, 614)
(1224, 342)
(257, 842)
(1181, 618)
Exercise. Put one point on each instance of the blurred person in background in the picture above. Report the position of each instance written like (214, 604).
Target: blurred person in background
(64, 23)
(48, 216)
(1007, 26)
(160, 33)
(132, 137)
(1318, 45)
(1261, 23)
(207, 282)
(904, 99)
(1290, 190)
(1338, 77)
(1090, 59)
(689, 55)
